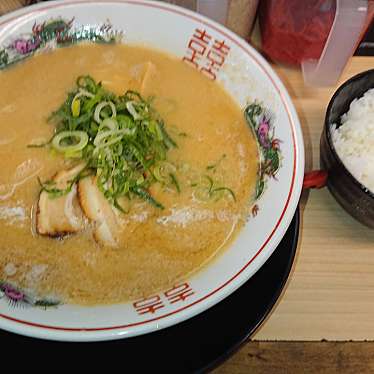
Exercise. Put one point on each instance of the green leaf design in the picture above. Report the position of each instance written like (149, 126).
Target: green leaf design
(260, 186)
(4, 57)
(272, 161)
(260, 120)
(45, 304)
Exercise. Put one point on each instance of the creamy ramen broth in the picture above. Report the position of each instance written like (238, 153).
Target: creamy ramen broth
(158, 247)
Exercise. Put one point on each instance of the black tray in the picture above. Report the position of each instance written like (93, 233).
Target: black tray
(196, 345)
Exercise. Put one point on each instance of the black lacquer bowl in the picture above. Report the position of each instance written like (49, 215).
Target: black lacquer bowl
(354, 197)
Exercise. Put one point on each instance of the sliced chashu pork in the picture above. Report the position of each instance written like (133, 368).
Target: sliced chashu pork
(59, 216)
(99, 210)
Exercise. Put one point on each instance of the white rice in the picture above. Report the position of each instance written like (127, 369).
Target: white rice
(354, 139)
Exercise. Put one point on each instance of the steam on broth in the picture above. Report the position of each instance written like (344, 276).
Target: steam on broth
(89, 231)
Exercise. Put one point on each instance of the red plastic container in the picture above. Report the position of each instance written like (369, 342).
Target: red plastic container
(294, 30)
(317, 35)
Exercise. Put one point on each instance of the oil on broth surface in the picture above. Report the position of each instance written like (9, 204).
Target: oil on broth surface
(158, 247)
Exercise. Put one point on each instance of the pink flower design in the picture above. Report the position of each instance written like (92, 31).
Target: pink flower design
(17, 298)
(24, 46)
(13, 294)
(263, 132)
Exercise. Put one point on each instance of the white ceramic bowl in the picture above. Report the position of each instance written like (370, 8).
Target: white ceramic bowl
(246, 76)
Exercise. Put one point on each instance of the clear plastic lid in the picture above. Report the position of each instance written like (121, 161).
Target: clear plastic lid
(214, 9)
(344, 36)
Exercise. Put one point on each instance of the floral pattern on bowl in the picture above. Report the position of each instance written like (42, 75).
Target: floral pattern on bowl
(18, 298)
(261, 121)
(56, 32)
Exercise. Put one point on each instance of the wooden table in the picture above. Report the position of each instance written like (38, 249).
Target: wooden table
(330, 293)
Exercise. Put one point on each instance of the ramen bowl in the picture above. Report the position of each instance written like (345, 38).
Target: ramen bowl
(221, 56)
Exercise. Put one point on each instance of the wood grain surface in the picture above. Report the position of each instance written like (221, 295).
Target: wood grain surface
(10, 5)
(301, 358)
(330, 294)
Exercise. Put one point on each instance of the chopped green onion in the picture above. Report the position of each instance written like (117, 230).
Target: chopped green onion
(108, 123)
(54, 192)
(159, 133)
(86, 82)
(74, 154)
(40, 145)
(162, 171)
(215, 165)
(210, 180)
(175, 182)
(145, 195)
(224, 189)
(207, 191)
(83, 92)
(168, 141)
(76, 104)
(130, 107)
(122, 140)
(75, 107)
(107, 138)
(101, 106)
(119, 206)
(140, 180)
(70, 135)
